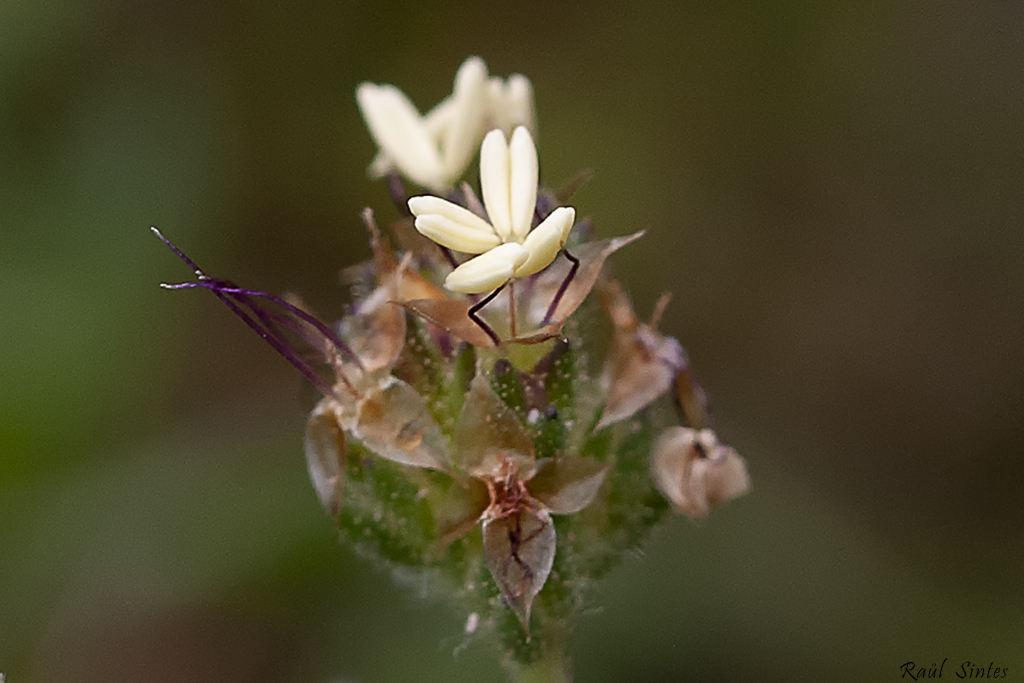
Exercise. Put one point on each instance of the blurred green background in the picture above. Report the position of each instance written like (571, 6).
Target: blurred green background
(832, 192)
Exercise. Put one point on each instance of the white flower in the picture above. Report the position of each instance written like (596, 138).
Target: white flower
(507, 246)
(431, 151)
(434, 150)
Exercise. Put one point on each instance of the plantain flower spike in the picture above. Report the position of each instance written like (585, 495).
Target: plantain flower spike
(506, 478)
(506, 245)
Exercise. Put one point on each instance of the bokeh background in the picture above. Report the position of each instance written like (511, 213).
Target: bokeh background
(833, 192)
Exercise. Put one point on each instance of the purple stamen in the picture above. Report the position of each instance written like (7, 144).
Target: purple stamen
(268, 323)
(396, 188)
(178, 252)
(512, 308)
(479, 321)
(269, 335)
(448, 256)
(562, 287)
(271, 319)
(228, 287)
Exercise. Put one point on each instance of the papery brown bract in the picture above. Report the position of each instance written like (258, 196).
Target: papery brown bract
(459, 511)
(642, 363)
(519, 548)
(490, 436)
(384, 260)
(326, 458)
(414, 287)
(518, 537)
(452, 315)
(494, 447)
(692, 400)
(567, 484)
(592, 257)
(377, 332)
(384, 413)
(694, 471)
(394, 423)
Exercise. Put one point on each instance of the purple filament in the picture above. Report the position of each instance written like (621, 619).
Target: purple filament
(562, 287)
(472, 313)
(396, 188)
(448, 256)
(269, 334)
(268, 323)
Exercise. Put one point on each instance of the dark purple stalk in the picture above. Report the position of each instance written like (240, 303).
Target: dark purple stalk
(268, 323)
(479, 321)
(270, 319)
(228, 287)
(396, 188)
(448, 256)
(562, 287)
(512, 309)
(269, 335)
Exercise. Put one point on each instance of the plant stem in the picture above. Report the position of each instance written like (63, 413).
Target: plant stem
(544, 671)
(552, 667)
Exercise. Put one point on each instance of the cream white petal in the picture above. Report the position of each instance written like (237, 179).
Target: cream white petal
(546, 240)
(510, 103)
(463, 133)
(455, 235)
(494, 181)
(496, 109)
(439, 119)
(519, 102)
(398, 129)
(380, 166)
(487, 271)
(523, 182)
(452, 226)
(426, 204)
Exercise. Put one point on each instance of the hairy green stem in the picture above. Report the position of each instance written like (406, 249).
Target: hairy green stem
(552, 667)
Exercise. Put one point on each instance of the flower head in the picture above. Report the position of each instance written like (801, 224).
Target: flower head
(431, 427)
(507, 246)
(434, 150)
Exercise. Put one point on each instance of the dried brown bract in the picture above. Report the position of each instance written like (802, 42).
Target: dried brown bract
(694, 471)
(642, 363)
